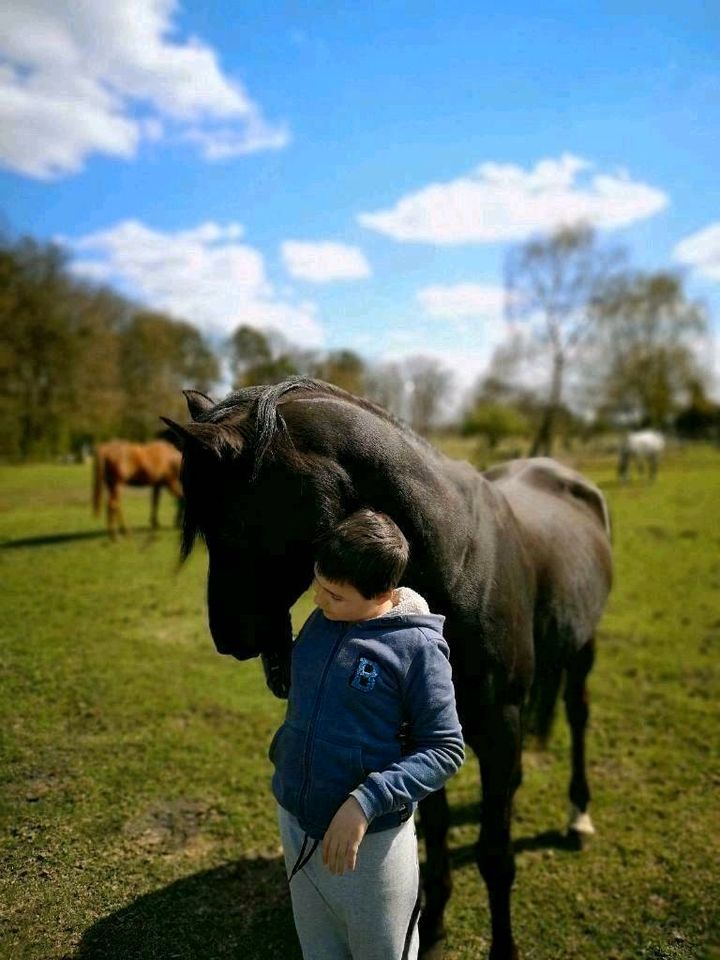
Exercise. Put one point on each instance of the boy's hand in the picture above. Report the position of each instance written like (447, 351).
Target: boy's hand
(343, 837)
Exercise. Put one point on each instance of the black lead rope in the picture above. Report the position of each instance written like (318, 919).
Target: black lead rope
(300, 863)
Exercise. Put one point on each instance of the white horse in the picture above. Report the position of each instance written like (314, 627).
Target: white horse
(643, 446)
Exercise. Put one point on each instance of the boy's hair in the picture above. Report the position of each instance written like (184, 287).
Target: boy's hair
(367, 550)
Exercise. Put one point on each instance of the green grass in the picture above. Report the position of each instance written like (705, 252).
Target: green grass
(134, 786)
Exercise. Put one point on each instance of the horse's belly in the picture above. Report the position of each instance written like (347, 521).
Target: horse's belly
(141, 478)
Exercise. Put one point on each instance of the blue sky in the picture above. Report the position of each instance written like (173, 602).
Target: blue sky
(350, 173)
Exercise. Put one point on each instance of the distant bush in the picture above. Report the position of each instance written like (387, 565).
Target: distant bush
(495, 422)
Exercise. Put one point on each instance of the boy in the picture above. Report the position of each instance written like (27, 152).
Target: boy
(371, 728)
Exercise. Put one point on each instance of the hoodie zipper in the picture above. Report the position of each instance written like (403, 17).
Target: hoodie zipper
(310, 746)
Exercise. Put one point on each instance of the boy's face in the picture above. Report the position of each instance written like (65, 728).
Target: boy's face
(341, 601)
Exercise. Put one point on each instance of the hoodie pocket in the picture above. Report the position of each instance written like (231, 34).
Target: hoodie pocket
(286, 752)
(336, 770)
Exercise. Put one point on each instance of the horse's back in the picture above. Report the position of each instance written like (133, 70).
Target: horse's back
(140, 464)
(566, 529)
(533, 479)
(162, 459)
(646, 442)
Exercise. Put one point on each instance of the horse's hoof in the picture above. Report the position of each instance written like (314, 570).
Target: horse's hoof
(580, 822)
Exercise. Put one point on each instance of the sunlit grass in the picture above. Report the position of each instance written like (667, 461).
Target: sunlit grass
(135, 784)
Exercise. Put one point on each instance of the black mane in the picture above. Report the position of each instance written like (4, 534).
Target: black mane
(253, 414)
(256, 409)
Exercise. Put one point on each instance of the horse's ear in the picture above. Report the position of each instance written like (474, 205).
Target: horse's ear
(198, 403)
(214, 437)
(200, 433)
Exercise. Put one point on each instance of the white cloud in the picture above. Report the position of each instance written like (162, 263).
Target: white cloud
(503, 202)
(202, 275)
(701, 251)
(99, 77)
(463, 300)
(477, 313)
(324, 262)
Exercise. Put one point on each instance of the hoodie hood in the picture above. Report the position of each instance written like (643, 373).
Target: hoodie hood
(406, 601)
(409, 610)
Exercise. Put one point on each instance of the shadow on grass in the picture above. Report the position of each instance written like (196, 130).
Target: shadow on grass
(571, 842)
(547, 840)
(239, 910)
(52, 538)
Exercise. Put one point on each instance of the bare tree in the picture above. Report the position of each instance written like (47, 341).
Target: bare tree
(428, 386)
(553, 283)
(385, 385)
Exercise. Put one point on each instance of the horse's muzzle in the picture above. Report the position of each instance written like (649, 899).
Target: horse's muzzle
(245, 637)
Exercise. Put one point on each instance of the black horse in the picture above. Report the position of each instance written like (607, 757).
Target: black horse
(518, 560)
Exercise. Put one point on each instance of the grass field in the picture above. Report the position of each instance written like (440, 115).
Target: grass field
(137, 815)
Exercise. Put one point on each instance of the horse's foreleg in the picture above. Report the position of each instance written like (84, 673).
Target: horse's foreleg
(119, 513)
(498, 746)
(154, 503)
(577, 712)
(113, 508)
(437, 880)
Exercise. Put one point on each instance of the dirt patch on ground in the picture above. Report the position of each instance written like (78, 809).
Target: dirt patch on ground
(176, 826)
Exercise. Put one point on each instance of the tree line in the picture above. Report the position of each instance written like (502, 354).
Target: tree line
(80, 363)
(594, 345)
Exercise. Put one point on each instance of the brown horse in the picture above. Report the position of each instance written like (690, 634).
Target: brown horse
(155, 464)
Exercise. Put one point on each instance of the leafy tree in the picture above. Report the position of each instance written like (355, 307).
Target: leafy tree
(700, 419)
(259, 357)
(552, 283)
(79, 362)
(39, 346)
(249, 347)
(344, 368)
(159, 357)
(495, 422)
(644, 348)
(98, 396)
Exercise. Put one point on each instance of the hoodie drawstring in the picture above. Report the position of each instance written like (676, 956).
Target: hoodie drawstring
(300, 863)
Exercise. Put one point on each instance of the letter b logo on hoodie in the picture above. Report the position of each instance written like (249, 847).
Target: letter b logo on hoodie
(366, 673)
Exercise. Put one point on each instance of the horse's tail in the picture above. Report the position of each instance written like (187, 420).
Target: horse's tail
(98, 476)
(540, 708)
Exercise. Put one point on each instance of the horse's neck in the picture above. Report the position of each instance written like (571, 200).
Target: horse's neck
(409, 470)
(390, 467)
(435, 500)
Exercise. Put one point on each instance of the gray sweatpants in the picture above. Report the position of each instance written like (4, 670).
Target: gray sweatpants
(368, 914)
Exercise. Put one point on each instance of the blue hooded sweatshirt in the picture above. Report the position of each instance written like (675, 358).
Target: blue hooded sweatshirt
(371, 713)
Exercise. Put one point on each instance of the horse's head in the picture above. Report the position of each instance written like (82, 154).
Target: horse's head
(258, 500)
